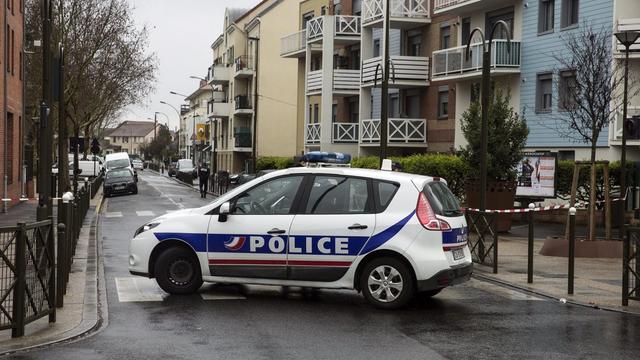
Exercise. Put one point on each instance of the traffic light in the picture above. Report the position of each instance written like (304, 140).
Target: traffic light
(95, 147)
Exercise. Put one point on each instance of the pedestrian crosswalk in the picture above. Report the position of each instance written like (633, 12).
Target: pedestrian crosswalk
(138, 289)
(139, 213)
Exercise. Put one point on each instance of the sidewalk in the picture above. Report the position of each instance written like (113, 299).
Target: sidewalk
(597, 282)
(81, 312)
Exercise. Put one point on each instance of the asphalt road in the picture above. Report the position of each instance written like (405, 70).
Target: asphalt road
(473, 321)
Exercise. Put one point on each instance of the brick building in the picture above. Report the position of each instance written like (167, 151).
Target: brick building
(11, 101)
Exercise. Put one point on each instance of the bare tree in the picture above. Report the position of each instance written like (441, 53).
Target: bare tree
(107, 65)
(588, 84)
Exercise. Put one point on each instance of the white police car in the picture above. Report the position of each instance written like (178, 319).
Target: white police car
(387, 234)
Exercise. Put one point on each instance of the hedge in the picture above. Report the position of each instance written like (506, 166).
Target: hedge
(564, 177)
(274, 162)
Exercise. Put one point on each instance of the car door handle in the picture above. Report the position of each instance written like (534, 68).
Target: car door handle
(275, 231)
(357, 227)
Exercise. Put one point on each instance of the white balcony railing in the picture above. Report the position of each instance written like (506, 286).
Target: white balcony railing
(293, 43)
(414, 69)
(345, 132)
(312, 134)
(344, 26)
(219, 74)
(453, 61)
(439, 5)
(628, 25)
(344, 81)
(219, 110)
(616, 125)
(400, 131)
(373, 10)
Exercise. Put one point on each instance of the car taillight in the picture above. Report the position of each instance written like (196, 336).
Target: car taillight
(427, 217)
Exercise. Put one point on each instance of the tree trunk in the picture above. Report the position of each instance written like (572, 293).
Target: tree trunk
(592, 194)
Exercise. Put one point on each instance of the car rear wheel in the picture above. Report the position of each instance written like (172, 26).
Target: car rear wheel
(387, 283)
(177, 271)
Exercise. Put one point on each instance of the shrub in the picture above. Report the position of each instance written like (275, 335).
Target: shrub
(368, 162)
(274, 162)
(564, 177)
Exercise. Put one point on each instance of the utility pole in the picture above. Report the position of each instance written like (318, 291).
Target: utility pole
(254, 147)
(384, 108)
(63, 162)
(44, 209)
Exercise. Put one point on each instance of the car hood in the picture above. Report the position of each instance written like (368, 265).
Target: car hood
(173, 214)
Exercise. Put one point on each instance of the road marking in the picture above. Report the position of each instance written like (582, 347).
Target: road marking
(145, 213)
(114, 214)
(140, 289)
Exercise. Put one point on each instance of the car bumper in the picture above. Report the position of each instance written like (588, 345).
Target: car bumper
(128, 189)
(452, 276)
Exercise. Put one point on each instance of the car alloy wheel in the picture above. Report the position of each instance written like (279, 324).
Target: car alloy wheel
(385, 283)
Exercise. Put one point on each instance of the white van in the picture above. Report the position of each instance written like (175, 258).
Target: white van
(117, 160)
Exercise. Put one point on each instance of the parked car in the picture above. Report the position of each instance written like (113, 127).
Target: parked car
(120, 160)
(171, 171)
(119, 181)
(186, 166)
(137, 164)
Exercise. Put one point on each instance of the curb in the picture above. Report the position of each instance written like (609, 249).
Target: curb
(94, 317)
(490, 279)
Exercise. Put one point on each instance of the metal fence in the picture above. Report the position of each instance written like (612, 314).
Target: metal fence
(27, 275)
(483, 237)
(631, 266)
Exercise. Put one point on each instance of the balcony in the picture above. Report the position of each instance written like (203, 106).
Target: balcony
(218, 75)
(347, 28)
(184, 109)
(345, 133)
(401, 132)
(404, 13)
(628, 25)
(244, 67)
(616, 127)
(406, 71)
(345, 82)
(218, 110)
(312, 134)
(243, 105)
(451, 63)
(242, 139)
(294, 45)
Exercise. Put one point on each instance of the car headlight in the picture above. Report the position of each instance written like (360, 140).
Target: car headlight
(146, 227)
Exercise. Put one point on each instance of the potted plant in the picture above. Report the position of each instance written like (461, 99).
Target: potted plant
(508, 134)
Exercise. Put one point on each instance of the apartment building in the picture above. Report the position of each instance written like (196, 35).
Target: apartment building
(129, 136)
(252, 103)
(193, 117)
(12, 156)
(530, 69)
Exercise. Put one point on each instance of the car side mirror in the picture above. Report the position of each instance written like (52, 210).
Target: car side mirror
(224, 211)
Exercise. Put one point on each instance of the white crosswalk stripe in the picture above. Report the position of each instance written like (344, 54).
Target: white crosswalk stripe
(114, 214)
(145, 213)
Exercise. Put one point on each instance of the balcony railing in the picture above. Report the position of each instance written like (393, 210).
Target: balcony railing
(312, 134)
(315, 27)
(439, 5)
(616, 133)
(453, 61)
(293, 43)
(219, 74)
(184, 108)
(412, 69)
(344, 26)
(218, 109)
(400, 131)
(344, 81)
(345, 132)
(242, 137)
(243, 102)
(373, 10)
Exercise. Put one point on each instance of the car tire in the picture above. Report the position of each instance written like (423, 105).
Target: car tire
(387, 283)
(177, 271)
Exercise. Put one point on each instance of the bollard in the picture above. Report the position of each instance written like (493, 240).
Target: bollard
(19, 289)
(572, 248)
(530, 246)
(62, 259)
(52, 289)
(626, 249)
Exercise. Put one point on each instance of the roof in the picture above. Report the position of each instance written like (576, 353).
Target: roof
(369, 173)
(133, 128)
(236, 13)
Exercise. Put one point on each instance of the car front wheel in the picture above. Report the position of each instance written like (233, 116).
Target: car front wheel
(387, 283)
(177, 271)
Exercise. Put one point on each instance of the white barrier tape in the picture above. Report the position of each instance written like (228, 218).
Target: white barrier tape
(514, 211)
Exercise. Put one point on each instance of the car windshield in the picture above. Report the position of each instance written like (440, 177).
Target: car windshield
(112, 164)
(441, 199)
(118, 173)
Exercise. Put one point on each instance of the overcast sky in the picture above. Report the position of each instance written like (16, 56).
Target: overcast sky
(180, 33)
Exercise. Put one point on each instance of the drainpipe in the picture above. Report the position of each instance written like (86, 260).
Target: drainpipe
(5, 181)
(23, 176)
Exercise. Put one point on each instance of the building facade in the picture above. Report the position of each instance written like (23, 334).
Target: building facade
(129, 136)
(13, 169)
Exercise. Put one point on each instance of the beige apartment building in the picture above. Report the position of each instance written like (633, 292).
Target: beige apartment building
(130, 135)
(252, 97)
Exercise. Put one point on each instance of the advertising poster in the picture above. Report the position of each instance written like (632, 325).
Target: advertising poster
(536, 175)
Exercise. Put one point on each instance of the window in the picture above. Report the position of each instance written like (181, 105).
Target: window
(544, 92)
(394, 105)
(13, 52)
(567, 88)
(323, 10)
(443, 102)
(337, 7)
(412, 102)
(274, 197)
(338, 195)
(475, 92)
(355, 58)
(354, 109)
(414, 43)
(445, 37)
(356, 6)
(546, 16)
(442, 201)
(334, 113)
(316, 113)
(376, 47)
(305, 19)
(466, 30)
(569, 13)
(384, 193)
(125, 139)
(10, 153)
(507, 15)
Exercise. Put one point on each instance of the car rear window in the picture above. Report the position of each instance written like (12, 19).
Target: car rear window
(384, 193)
(441, 199)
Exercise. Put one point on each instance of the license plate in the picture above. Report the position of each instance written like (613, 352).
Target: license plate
(458, 254)
(119, 187)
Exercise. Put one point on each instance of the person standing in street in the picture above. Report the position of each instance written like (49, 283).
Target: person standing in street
(203, 179)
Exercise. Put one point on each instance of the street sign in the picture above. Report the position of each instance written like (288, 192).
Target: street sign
(76, 142)
(537, 175)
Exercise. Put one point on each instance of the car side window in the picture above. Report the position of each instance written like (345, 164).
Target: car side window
(338, 195)
(274, 197)
(385, 192)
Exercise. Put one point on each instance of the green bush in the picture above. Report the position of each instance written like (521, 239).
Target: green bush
(274, 162)
(564, 177)
(368, 162)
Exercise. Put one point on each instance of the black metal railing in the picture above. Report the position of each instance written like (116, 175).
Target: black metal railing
(631, 266)
(243, 102)
(483, 237)
(243, 63)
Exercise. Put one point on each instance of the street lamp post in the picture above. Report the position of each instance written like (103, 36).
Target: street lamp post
(626, 38)
(185, 139)
(178, 132)
(486, 88)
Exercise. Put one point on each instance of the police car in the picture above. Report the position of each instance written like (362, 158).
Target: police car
(389, 235)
